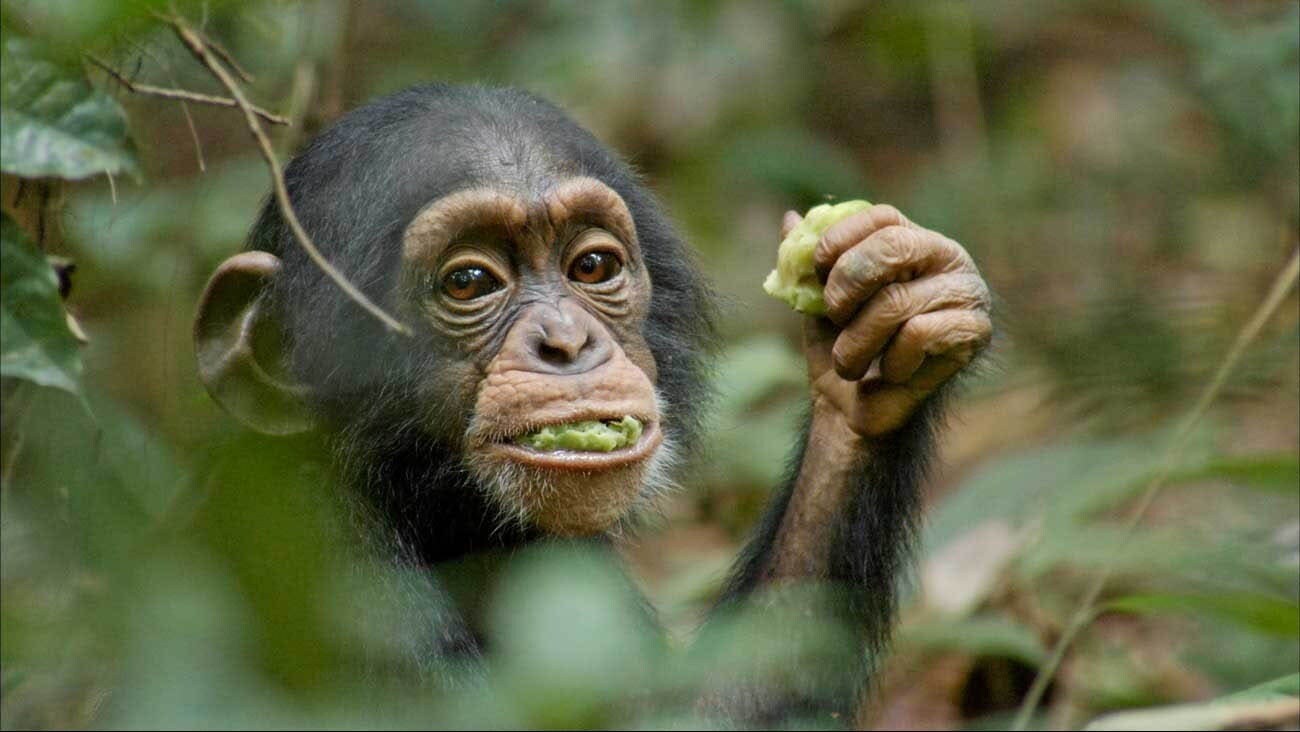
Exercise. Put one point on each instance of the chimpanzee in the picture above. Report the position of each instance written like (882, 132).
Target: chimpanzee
(545, 286)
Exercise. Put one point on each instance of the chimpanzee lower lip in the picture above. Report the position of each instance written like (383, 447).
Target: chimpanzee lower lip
(651, 437)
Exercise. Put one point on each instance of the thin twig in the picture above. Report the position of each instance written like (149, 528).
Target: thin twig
(194, 135)
(183, 94)
(166, 66)
(228, 59)
(185, 109)
(199, 49)
(1286, 279)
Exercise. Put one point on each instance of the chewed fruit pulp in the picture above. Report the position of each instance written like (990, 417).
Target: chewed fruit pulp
(585, 436)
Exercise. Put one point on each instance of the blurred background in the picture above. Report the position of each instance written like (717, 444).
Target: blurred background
(1124, 173)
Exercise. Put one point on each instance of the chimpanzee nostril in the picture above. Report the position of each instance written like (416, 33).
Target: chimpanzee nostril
(556, 355)
(561, 339)
(566, 340)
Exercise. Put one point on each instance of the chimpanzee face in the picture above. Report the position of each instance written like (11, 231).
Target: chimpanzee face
(545, 295)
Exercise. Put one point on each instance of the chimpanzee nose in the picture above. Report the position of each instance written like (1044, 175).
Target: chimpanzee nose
(566, 339)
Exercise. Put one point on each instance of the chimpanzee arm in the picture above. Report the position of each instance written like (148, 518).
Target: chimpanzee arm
(846, 515)
(907, 311)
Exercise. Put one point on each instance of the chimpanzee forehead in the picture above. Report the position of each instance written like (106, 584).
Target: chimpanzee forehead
(519, 214)
(359, 185)
(440, 152)
(520, 156)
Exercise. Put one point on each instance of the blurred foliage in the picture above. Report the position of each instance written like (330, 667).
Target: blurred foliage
(1125, 173)
(54, 123)
(36, 344)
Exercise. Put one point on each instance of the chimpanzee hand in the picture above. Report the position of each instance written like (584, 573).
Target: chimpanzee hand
(907, 310)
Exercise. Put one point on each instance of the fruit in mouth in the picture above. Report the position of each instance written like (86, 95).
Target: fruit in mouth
(795, 279)
(586, 436)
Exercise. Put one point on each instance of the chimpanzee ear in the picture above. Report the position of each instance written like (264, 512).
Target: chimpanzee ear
(240, 348)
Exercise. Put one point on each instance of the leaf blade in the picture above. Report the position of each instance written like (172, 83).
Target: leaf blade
(36, 344)
(53, 123)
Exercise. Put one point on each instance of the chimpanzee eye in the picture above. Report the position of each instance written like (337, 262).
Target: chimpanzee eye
(468, 283)
(594, 267)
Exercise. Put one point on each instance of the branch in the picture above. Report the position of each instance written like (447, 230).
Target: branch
(182, 94)
(228, 59)
(1286, 279)
(205, 56)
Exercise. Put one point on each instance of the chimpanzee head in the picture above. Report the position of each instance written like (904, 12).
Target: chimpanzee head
(559, 325)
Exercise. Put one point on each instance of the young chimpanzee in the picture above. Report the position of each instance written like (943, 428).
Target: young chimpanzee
(561, 333)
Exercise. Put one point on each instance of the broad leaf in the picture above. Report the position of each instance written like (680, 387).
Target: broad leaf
(1276, 473)
(985, 635)
(35, 342)
(1260, 612)
(1273, 705)
(55, 124)
(1280, 688)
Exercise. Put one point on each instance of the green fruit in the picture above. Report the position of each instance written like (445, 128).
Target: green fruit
(795, 280)
(588, 436)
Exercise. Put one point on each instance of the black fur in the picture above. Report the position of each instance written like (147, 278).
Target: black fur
(869, 556)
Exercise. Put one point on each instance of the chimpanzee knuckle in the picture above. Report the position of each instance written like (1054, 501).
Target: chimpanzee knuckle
(883, 214)
(826, 252)
(839, 354)
(964, 336)
(955, 256)
(912, 332)
(967, 291)
(974, 328)
(847, 355)
(841, 237)
(855, 276)
(953, 346)
(905, 353)
(893, 303)
(983, 297)
(935, 372)
(837, 299)
(897, 247)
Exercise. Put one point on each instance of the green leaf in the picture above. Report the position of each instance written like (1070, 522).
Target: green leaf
(1287, 686)
(1261, 612)
(55, 124)
(1062, 483)
(979, 636)
(35, 342)
(1279, 473)
(1272, 705)
(1214, 715)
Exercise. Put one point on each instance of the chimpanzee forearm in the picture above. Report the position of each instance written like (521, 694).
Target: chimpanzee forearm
(846, 516)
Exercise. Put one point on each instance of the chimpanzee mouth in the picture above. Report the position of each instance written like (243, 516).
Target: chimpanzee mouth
(585, 436)
(589, 444)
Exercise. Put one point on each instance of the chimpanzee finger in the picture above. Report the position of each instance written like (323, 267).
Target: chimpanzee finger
(956, 335)
(932, 374)
(893, 305)
(788, 222)
(892, 254)
(842, 235)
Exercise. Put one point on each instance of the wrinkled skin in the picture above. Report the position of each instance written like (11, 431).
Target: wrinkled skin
(907, 310)
(549, 349)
